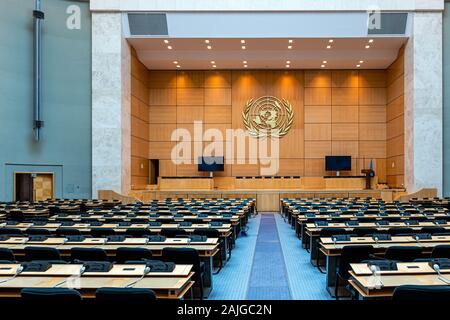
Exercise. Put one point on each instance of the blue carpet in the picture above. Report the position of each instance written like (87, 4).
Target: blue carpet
(305, 281)
(268, 278)
(232, 281)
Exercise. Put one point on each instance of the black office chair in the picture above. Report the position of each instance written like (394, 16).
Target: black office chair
(432, 230)
(361, 232)
(129, 295)
(138, 232)
(421, 293)
(399, 231)
(62, 232)
(186, 256)
(38, 231)
(7, 255)
(173, 232)
(41, 253)
(11, 232)
(88, 254)
(102, 232)
(213, 233)
(51, 295)
(441, 251)
(125, 254)
(325, 233)
(350, 254)
(403, 253)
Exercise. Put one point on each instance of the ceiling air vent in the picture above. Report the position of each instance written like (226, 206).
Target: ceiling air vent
(387, 23)
(148, 24)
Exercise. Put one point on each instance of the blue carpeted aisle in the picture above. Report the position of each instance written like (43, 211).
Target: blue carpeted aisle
(268, 279)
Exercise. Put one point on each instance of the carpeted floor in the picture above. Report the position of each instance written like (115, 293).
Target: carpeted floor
(269, 263)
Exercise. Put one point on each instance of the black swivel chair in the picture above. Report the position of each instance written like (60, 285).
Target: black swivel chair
(213, 233)
(350, 254)
(138, 232)
(41, 253)
(432, 230)
(421, 293)
(325, 233)
(441, 251)
(361, 232)
(173, 232)
(38, 231)
(7, 255)
(11, 232)
(129, 295)
(399, 231)
(88, 254)
(186, 256)
(51, 295)
(403, 253)
(102, 232)
(62, 232)
(126, 254)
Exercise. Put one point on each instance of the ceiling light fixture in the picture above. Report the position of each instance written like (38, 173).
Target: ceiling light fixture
(367, 47)
(358, 65)
(322, 66)
(209, 47)
(213, 62)
(169, 47)
(166, 41)
(328, 47)
(178, 66)
(242, 41)
(324, 61)
(176, 62)
(370, 40)
(330, 41)
(361, 61)
(288, 62)
(290, 41)
(245, 66)
(206, 41)
(243, 47)
(289, 47)
(288, 66)
(245, 61)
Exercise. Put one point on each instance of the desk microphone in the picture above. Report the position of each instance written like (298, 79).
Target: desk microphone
(146, 270)
(440, 276)
(82, 270)
(376, 277)
(334, 241)
(376, 240)
(18, 271)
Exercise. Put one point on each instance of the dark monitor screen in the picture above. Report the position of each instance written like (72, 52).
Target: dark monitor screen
(210, 164)
(338, 163)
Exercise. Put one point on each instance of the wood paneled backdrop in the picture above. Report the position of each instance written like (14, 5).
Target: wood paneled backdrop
(337, 112)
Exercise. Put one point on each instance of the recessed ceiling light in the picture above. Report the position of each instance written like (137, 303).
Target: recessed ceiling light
(324, 61)
(289, 47)
(328, 47)
(166, 41)
(361, 61)
(322, 66)
(242, 41)
(178, 66)
(370, 40)
(288, 62)
(245, 61)
(367, 47)
(169, 47)
(245, 66)
(213, 62)
(358, 65)
(214, 65)
(288, 66)
(176, 62)
(243, 47)
(330, 41)
(206, 41)
(209, 47)
(290, 40)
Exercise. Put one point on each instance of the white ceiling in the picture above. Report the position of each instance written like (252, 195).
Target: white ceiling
(267, 53)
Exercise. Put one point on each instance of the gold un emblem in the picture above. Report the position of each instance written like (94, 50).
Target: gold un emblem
(268, 116)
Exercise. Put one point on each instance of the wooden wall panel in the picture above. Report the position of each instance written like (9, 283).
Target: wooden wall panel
(338, 112)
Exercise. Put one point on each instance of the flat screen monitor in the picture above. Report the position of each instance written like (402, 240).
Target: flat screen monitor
(211, 164)
(338, 163)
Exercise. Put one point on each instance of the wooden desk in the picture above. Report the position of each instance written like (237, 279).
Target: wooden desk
(167, 285)
(412, 273)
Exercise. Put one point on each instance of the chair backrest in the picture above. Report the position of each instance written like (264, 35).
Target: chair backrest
(353, 254)
(172, 232)
(38, 231)
(183, 256)
(432, 230)
(328, 232)
(210, 233)
(125, 253)
(138, 232)
(7, 254)
(102, 232)
(403, 253)
(51, 295)
(11, 231)
(61, 232)
(364, 231)
(41, 253)
(396, 231)
(129, 295)
(441, 251)
(88, 254)
(421, 293)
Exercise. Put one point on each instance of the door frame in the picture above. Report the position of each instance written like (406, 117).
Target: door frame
(35, 172)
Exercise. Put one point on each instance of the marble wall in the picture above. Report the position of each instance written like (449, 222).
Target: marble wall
(110, 105)
(423, 103)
